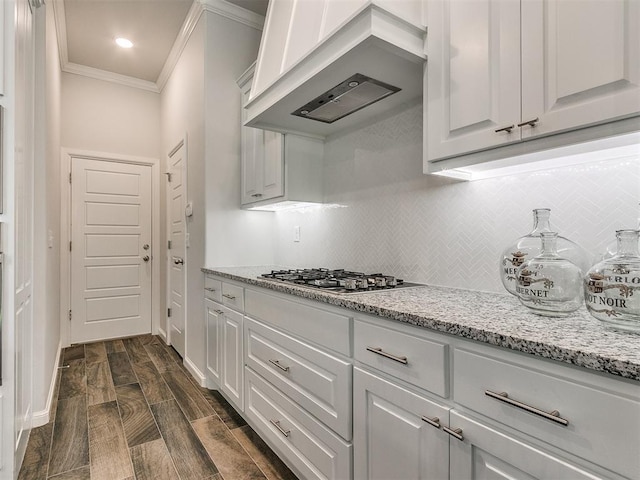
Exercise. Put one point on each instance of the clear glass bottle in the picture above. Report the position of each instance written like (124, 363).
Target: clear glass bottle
(549, 284)
(527, 247)
(612, 248)
(612, 287)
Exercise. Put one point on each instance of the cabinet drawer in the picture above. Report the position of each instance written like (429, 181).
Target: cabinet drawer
(407, 356)
(212, 289)
(304, 442)
(233, 296)
(602, 426)
(317, 381)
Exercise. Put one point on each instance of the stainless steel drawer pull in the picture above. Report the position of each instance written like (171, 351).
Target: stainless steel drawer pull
(219, 312)
(433, 421)
(531, 123)
(505, 129)
(277, 364)
(209, 289)
(230, 297)
(379, 351)
(504, 397)
(456, 432)
(276, 423)
(256, 195)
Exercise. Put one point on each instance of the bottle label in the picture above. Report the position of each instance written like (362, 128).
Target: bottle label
(598, 284)
(530, 285)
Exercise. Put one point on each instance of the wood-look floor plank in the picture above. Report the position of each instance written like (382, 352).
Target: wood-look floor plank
(262, 455)
(36, 457)
(147, 338)
(151, 461)
(83, 473)
(99, 384)
(75, 352)
(135, 349)
(70, 442)
(121, 370)
(73, 381)
(95, 352)
(159, 356)
(113, 346)
(152, 383)
(232, 460)
(189, 456)
(225, 411)
(138, 422)
(107, 444)
(188, 396)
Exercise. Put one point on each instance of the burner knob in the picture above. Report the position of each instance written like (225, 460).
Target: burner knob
(381, 282)
(350, 284)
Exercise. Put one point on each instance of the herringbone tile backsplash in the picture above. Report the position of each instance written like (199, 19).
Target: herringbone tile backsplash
(386, 215)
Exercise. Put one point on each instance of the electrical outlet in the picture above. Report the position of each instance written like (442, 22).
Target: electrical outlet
(296, 233)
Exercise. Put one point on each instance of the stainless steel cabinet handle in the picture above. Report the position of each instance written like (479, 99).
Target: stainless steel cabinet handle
(178, 261)
(219, 312)
(277, 364)
(554, 416)
(531, 123)
(454, 432)
(379, 351)
(433, 421)
(276, 423)
(256, 195)
(230, 297)
(505, 129)
(209, 289)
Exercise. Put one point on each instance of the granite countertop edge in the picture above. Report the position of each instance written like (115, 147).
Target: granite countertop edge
(599, 361)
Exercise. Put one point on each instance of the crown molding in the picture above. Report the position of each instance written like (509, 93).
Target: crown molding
(106, 76)
(234, 12)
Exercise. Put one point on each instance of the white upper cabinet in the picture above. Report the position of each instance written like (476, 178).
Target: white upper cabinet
(310, 47)
(502, 72)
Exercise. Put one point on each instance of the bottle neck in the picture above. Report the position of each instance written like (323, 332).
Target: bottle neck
(541, 220)
(549, 244)
(628, 243)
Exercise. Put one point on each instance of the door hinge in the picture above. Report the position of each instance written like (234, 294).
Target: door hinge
(169, 244)
(168, 312)
(69, 246)
(168, 174)
(69, 177)
(69, 315)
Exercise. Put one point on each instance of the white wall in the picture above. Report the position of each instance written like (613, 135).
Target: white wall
(108, 117)
(46, 339)
(441, 232)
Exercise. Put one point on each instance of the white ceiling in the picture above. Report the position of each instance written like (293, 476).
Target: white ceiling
(89, 28)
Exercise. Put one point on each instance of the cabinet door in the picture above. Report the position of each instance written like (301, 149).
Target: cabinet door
(391, 437)
(213, 317)
(485, 453)
(473, 76)
(273, 163)
(232, 365)
(580, 63)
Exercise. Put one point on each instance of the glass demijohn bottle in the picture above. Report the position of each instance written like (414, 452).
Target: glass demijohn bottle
(528, 246)
(548, 284)
(612, 287)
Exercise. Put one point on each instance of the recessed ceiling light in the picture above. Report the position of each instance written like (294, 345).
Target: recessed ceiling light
(124, 43)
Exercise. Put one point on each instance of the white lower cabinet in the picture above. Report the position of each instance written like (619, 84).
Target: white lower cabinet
(213, 316)
(396, 432)
(232, 363)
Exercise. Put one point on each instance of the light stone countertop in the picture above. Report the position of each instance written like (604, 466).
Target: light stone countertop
(496, 319)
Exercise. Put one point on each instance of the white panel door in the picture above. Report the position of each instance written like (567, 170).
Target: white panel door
(177, 253)
(111, 254)
(473, 75)
(580, 63)
(395, 433)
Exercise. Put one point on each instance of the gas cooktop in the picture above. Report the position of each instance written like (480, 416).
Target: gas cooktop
(338, 280)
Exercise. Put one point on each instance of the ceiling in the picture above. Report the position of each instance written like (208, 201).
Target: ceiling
(87, 30)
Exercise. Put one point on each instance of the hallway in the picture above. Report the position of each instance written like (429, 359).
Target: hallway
(127, 409)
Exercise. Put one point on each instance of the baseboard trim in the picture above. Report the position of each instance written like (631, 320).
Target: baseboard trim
(195, 371)
(42, 417)
(162, 334)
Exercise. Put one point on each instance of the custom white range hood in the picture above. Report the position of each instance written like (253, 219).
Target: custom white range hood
(372, 65)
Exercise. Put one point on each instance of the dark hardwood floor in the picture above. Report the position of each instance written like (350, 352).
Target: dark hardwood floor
(127, 409)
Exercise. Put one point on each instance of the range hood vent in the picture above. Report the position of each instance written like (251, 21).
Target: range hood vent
(346, 98)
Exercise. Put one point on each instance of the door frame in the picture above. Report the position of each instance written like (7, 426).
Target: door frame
(67, 156)
(167, 223)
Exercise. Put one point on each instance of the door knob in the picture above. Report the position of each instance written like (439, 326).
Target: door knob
(146, 246)
(145, 258)
(178, 261)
